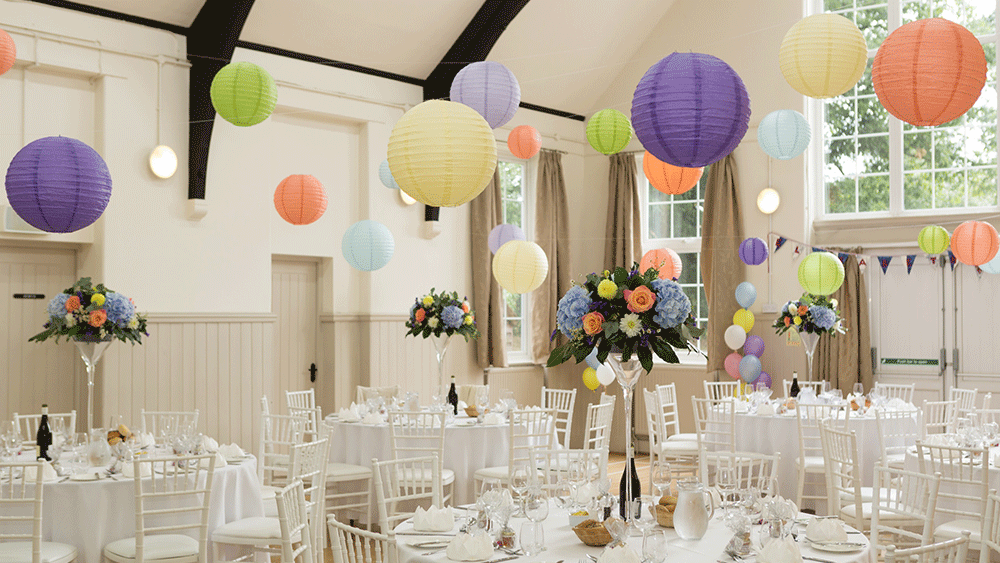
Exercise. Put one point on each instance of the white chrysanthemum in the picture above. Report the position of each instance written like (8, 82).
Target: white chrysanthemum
(432, 322)
(133, 323)
(631, 325)
(70, 321)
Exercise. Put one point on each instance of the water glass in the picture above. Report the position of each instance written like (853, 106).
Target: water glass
(654, 547)
(859, 389)
(662, 476)
(643, 509)
(536, 505)
(563, 494)
(532, 538)
(482, 401)
(725, 482)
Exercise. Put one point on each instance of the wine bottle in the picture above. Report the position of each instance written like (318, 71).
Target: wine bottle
(453, 396)
(793, 391)
(43, 439)
(630, 474)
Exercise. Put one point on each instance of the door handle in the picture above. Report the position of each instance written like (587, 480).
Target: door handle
(312, 373)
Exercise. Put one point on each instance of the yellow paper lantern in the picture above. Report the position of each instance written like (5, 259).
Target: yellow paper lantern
(823, 55)
(520, 266)
(744, 319)
(442, 153)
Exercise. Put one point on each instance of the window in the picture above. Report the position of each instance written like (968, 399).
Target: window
(516, 317)
(874, 165)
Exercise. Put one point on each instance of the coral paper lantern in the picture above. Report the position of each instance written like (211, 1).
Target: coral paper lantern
(690, 109)
(244, 94)
(753, 251)
(974, 242)
(385, 175)
(666, 260)
(489, 88)
(502, 234)
(8, 51)
(58, 184)
(609, 131)
(367, 245)
(300, 199)
(442, 153)
(524, 141)
(669, 179)
(823, 55)
(783, 134)
(520, 266)
(929, 72)
(933, 239)
(821, 273)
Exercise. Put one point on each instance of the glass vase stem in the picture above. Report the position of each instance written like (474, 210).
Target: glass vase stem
(809, 342)
(441, 348)
(627, 373)
(90, 352)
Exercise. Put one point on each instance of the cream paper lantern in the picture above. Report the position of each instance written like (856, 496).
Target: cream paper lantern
(823, 55)
(520, 266)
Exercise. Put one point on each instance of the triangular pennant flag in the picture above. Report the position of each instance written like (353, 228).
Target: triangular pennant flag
(843, 257)
(933, 260)
(909, 262)
(951, 260)
(796, 253)
(779, 243)
(979, 271)
(862, 265)
(884, 262)
(816, 249)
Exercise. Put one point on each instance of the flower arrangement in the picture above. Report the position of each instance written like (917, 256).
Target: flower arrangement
(625, 311)
(442, 313)
(815, 314)
(85, 312)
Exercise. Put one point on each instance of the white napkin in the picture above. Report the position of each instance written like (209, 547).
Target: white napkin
(373, 418)
(470, 547)
(783, 550)
(209, 444)
(897, 404)
(145, 440)
(220, 460)
(350, 414)
(433, 519)
(766, 409)
(128, 470)
(231, 451)
(462, 405)
(619, 554)
(494, 418)
(585, 493)
(741, 406)
(48, 473)
(826, 529)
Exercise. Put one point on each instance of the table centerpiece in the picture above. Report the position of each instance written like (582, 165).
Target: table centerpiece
(811, 317)
(442, 315)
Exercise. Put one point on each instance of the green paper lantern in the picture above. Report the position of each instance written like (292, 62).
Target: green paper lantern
(609, 131)
(244, 94)
(821, 273)
(933, 239)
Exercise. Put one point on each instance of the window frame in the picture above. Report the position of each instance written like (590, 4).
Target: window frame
(528, 179)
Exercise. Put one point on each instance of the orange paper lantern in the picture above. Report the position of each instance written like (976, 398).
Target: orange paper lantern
(300, 199)
(929, 72)
(524, 141)
(974, 242)
(8, 51)
(669, 179)
(668, 262)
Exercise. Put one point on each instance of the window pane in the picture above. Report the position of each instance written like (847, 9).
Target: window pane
(656, 196)
(659, 221)
(841, 159)
(874, 25)
(873, 154)
(982, 187)
(872, 116)
(685, 220)
(917, 151)
(947, 150)
(917, 190)
(512, 213)
(873, 193)
(834, 5)
(513, 302)
(840, 117)
(949, 189)
(689, 268)
(840, 196)
(514, 336)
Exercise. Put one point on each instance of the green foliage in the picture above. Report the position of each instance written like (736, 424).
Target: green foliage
(75, 322)
(428, 313)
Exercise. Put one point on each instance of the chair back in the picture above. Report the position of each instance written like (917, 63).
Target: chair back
(27, 424)
(417, 434)
(163, 423)
(940, 417)
(988, 415)
(902, 391)
(990, 539)
(354, 545)
(468, 393)
(555, 464)
(654, 419)
(293, 521)
(278, 433)
(966, 399)
(175, 497)
(597, 433)
(718, 390)
(809, 418)
(753, 470)
(715, 426)
(894, 433)
(21, 505)
(529, 429)
(667, 395)
(605, 398)
(562, 402)
(303, 403)
(843, 475)
(403, 484)
(308, 462)
(816, 386)
(952, 551)
(903, 507)
(964, 486)
(365, 393)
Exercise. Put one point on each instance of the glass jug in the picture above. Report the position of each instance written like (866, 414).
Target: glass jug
(694, 509)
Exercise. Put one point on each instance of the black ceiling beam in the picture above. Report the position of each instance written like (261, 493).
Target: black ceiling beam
(329, 62)
(211, 40)
(180, 30)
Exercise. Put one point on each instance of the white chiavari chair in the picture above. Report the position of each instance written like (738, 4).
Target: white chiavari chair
(348, 487)
(816, 386)
(715, 426)
(303, 403)
(27, 424)
(988, 401)
(529, 429)
(161, 423)
(845, 498)
(718, 390)
(354, 545)
(415, 434)
(990, 533)
(597, 431)
(902, 391)
(810, 460)
(562, 402)
(750, 469)
(940, 417)
(894, 435)
(966, 399)
(555, 464)
(951, 551)
(667, 395)
(403, 484)
(963, 491)
(605, 398)
(290, 535)
(21, 523)
(682, 455)
(387, 393)
(903, 509)
(468, 393)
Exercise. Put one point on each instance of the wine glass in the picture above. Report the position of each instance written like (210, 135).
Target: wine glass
(644, 510)
(536, 505)
(532, 538)
(662, 476)
(654, 547)
(725, 483)
(859, 389)
(519, 481)
(10, 439)
(563, 493)
(482, 401)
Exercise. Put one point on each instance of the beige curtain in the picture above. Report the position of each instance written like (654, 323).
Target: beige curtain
(721, 268)
(552, 234)
(486, 211)
(846, 359)
(623, 240)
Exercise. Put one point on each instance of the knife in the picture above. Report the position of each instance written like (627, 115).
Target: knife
(513, 557)
(816, 559)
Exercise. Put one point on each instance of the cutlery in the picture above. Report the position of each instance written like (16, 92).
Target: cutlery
(425, 534)
(817, 559)
(503, 559)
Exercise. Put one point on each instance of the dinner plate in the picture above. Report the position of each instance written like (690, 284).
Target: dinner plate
(237, 459)
(836, 546)
(91, 476)
(471, 422)
(429, 544)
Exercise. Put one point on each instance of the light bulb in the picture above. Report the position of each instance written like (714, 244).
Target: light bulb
(163, 161)
(768, 201)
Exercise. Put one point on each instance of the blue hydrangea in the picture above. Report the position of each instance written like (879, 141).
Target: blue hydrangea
(57, 307)
(823, 317)
(572, 307)
(119, 308)
(452, 316)
(672, 304)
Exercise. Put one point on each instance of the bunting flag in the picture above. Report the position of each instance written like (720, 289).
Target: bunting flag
(843, 257)
(779, 243)
(979, 271)
(933, 260)
(951, 260)
(796, 253)
(909, 262)
(884, 262)
(862, 266)
(817, 249)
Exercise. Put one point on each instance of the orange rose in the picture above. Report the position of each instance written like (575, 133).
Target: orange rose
(72, 304)
(419, 314)
(592, 322)
(803, 309)
(788, 321)
(465, 307)
(641, 300)
(97, 318)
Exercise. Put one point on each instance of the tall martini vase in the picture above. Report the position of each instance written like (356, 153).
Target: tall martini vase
(441, 348)
(627, 373)
(91, 350)
(809, 342)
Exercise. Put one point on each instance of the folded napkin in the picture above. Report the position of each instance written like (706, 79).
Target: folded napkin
(373, 418)
(585, 493)
(765, 409)
(231, 451)
(220, 460)
(48, 473)
(783, 550)
(470, 547)
(897, 404)
(145, 440)
(826, 529)
(462, 405)
(350, 414)
(494, 418)
(741, 406)
(128, 470)
(433, 519)
(209, 444)
(619, 554)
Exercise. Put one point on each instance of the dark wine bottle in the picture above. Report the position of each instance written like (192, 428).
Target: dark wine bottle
(453, 396)
(793, 391)
(43, 439)
(623, 498)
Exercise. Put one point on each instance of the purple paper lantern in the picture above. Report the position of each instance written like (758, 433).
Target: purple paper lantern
(690, 109)
(489, 88)
(58, 184)
(502, 234)
(753, 251)
(764, 378)
(754, 346)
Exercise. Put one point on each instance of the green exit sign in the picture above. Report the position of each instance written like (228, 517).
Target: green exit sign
(908, 362)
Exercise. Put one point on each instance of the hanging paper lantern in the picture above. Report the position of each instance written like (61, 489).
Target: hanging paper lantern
(749, 368)
(735, 336)
(669, 179)
(385, 175)
(605, 375)
(590, 378)
(993, 266)
(821, 273)
(8, 51)
(933, 239)
(489, 88)
(609, 131)
(753, 251)
(244, 94)
(764, 378)
(823, 55)
(58, 184)
(524, 141)
(732, 364)
(783, 134)
(367, 245)
(300, 199)
(502, 234)
(754, 346)
(974, 242)
(442, 153)
(690, 109)
(929, 72)
(746, 294)
(744, 319)
(666, 260)
(520, 266)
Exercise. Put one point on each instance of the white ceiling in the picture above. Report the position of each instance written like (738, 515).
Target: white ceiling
(176, 12)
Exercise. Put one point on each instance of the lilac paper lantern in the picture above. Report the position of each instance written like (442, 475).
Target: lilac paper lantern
(690, 109)
(58, 184)
(754, 346)
(502, 234)
(489, 88)
(753, 251)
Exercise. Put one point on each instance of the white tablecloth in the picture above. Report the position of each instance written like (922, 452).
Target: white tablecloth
(467, 447)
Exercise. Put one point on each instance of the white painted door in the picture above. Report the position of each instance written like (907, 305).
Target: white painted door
(975, 360)
(294, 301)
(34, 373)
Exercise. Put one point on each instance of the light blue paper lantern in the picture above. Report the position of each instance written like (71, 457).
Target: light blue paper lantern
(750, 367)
(783, 134)
(993, 266)
(385, 175)
(367, 245)
(746, 294)
(489, 88)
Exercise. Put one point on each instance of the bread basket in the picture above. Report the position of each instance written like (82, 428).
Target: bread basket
(592, 533)
(665, 511)
(472, 411)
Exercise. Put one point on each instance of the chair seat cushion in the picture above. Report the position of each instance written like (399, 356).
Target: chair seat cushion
(953, 529)
(20, 552)
(679, 447)
(347, 472)
(683, 437)
(164, 546)
(500, 472)
(424, 475)
(812, 462)
(248, 531)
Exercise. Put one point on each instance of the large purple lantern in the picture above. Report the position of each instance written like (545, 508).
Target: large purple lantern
(58, 184)
(690, 109)
(502, 234)
(489, 88)
(753, 251)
